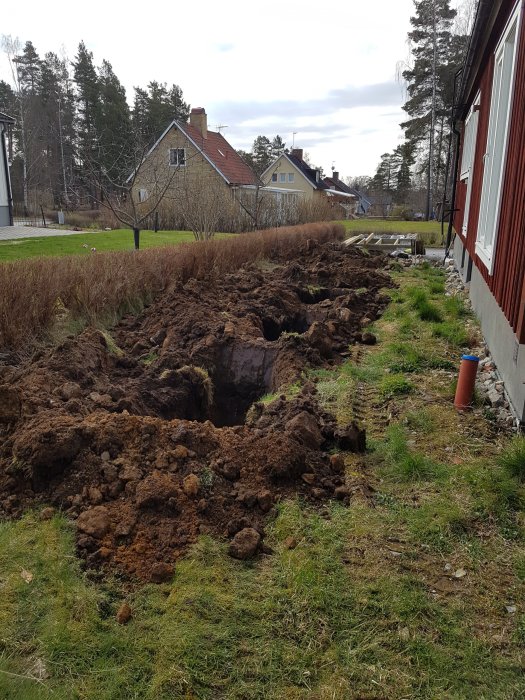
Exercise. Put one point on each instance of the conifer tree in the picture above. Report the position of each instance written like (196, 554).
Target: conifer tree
(436, 55)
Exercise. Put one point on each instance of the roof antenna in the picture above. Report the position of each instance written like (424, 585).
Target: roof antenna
(221, 126)
(293, 138)
(333, 167)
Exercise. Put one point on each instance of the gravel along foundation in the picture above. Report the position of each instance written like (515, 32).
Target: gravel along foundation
(156, 433)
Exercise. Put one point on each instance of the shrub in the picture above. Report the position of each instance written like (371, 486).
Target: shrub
(38, 292)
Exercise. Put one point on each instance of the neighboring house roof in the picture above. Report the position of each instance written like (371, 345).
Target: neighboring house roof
(334, 183)
(216, 150)
(6, 119)
(223, 156)
(305, 170)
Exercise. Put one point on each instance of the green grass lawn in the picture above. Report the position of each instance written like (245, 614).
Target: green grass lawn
(119, 239)
(429, 231)
(413, 591)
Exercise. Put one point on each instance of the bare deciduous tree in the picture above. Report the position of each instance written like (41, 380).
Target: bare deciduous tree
(134, 201)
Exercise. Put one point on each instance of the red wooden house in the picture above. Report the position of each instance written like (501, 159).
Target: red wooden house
(489, 248)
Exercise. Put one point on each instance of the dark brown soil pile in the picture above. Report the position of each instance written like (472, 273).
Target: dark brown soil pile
(146, 443)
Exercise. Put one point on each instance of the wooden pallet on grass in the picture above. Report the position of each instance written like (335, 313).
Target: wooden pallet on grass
(388, 242)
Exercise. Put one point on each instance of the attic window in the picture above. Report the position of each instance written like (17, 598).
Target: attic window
(274, 177)
(282, 177)
(222, 154)
(291, 177)
(177, 157)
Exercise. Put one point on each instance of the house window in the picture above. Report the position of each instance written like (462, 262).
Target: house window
(291, 177)
(178, 157)
(143, 195)
(469, 150)
(274, 177)
(282, 177)
(494, 158)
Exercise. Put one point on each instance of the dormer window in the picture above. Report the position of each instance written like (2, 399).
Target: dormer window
(177, 157)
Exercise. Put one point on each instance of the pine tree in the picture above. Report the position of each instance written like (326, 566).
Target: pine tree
(155, 107)
(115, 119)
(404, 157)
(89, 112)
(261, 154)
(278, 147)
(437, 55)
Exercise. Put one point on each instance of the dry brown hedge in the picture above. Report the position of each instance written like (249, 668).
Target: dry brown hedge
(35, 293)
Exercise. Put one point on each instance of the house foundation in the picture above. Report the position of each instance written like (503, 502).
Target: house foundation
(508, 353)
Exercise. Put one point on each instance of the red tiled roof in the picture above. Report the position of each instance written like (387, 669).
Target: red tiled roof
(222, 155)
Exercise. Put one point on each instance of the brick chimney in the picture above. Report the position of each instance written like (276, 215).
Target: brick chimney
(199, 120)
(297, 153)
(335, 175)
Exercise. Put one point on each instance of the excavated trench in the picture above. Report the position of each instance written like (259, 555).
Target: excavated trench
(150, 446)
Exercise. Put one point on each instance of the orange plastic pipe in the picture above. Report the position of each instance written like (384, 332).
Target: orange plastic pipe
(466, 382)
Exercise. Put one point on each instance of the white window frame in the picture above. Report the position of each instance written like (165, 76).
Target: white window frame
(470, 136)
(282, 177)
(274, 177)
(496, 153)
(175, 162)
(291, 177)
(143, 194)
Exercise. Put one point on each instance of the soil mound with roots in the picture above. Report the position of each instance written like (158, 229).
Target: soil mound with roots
(154, 435)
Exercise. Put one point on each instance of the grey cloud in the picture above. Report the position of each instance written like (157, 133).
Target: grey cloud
(378, 95)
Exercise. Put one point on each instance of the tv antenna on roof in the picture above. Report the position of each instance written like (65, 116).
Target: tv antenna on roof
(221, 126)
(293, 138)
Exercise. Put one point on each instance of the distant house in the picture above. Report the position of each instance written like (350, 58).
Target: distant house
(204, 171)
(6, 199)
(489, 249)
(357, 204)
(289, 171)
(193, 160)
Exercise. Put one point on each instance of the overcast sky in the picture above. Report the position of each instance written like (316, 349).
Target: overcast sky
(326, 71)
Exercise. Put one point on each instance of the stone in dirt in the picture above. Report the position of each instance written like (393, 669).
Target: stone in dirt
(161, 572)
(94, 522)
(265, 500)
(245, 544)
(123, 615)
(290, 543)
(155, 489)
(338, 463)
(304, 428)
(191, 485)
(10, 404)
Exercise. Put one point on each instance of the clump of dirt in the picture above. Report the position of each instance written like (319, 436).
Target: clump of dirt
(145, 440)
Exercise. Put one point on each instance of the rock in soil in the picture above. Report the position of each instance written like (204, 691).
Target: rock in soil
(123, 615)
(245, 544)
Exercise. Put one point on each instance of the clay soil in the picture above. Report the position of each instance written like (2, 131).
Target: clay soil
(155, 435)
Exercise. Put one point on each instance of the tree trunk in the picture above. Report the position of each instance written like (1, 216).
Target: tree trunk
(136, 238)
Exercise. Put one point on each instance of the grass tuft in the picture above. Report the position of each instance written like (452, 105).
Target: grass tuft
(513, 458)
(405, 463)
(394, 385)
